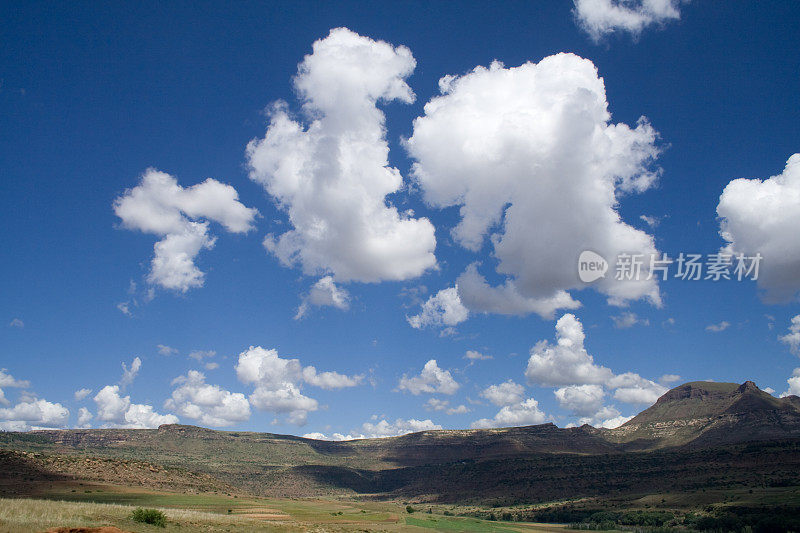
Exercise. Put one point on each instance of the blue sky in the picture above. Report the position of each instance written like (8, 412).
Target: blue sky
(93, 96)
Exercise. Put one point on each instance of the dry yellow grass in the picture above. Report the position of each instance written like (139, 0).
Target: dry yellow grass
(29, 515)
(33, 515)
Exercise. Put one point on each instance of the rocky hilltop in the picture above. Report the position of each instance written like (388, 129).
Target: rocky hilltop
(704, 413)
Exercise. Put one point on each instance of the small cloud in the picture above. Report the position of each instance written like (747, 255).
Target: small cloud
(794, 384)
(324, 293)
(628, 320)
(81, 394)
(431, 380)
(650, 221)
(211, 366)
(435, 404)
(792, 339)
(472, 355)
(7, 380)
(443, 310)
(129, 374)
(400, 427)
(124, 308)
(504, 394)
(668, 322)
(16, 323)
(84, 418)
(716, 328)
(520, 414)
(669, 378)
(448, 332)
(413, 296)
(199, 355)
(769, 390)
(330, 380)
(599, 18)
(163, 349)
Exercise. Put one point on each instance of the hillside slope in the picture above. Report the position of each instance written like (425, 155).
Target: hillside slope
(707, 413)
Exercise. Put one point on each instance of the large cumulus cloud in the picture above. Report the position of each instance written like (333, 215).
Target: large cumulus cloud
(532, 159)
(332, 174)
(762, 216)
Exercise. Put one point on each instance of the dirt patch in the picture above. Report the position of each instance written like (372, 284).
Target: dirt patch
(104, 529)
(266, 516)
(264, 513)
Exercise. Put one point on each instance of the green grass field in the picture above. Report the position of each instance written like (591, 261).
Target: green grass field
(94, 505)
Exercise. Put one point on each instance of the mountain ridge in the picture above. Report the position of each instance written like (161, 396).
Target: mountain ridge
(690, 426)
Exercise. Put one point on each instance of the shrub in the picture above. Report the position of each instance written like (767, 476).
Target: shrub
(149, 516)
(410, 509)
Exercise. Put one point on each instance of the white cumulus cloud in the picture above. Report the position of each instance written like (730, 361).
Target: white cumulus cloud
(210, 405)
(746, 229)
(524, 413)
(606, 417)
(119, 412)
(634, 389)
(7, 380)
(506, 299)
(792, 339)
(505, 393)
(473, 355)
(84, 418)
(330, 380)
(278, 382)
(400, 426)
(716, 328)
(669, 378)
(431, 380)
(582, 383)
(794, 384)
(603, 17)
(582, 400)
(332, 174)
(324, 293)
(129, 374)
(538, 169)
(179, 216)
(435, 404)
(566, 362)
(81, 394)
(441, 310)
(32, 413)
(335, 436)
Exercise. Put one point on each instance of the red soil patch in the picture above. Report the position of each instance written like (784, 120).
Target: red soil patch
(104, 529)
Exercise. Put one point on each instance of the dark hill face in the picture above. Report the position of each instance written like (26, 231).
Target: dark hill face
(702, 413)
